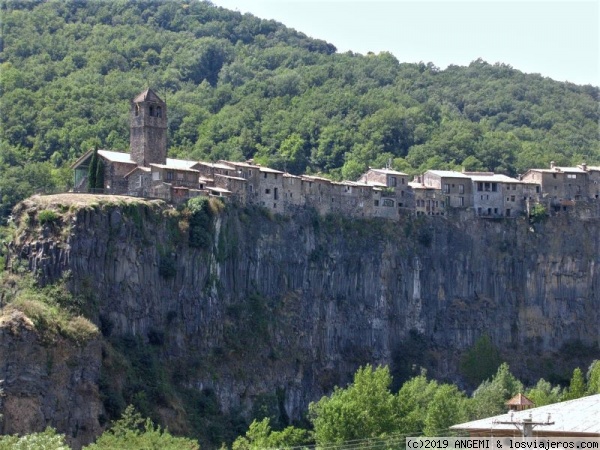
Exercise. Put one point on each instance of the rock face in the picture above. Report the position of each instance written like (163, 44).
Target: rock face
(294, 305)
(48, 383)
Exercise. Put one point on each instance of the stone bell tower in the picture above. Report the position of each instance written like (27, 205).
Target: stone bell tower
(148, 129)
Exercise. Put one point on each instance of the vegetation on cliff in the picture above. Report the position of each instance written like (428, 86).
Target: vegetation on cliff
(365, 413)
(240, 87)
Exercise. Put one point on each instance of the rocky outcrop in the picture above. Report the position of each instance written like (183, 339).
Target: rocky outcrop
(291, 306)
(48, 384)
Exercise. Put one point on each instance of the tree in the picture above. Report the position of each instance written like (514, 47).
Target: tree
(412, 402)
(447, 408)
(135, 433)
(365, 409)
(46, 440)
(593, 377)
(260, 436)
(489, 398)
(543, 393)
(93, 171)
(576, 386)
(481, 361)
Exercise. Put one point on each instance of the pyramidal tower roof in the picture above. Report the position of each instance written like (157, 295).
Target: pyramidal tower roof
(148, 96)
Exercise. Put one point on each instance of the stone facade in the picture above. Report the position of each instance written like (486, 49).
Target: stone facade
(148, 129)
(146, 171)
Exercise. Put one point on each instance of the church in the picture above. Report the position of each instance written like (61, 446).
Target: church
(145, 171)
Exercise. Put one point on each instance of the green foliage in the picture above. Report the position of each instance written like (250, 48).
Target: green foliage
(366, 409)
(53, 310)
(47, 216)
(593, 378)
(538, 213)
(241, 87)
(167, 268)
(447, 408)
(200, 221)
(543, 393)
(135, 433)
(45, 440)
(577, 387)
(489, 398)
(481, 361)
(260, 436)
(93, 171)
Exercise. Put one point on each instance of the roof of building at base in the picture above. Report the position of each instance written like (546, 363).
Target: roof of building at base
(579, 416)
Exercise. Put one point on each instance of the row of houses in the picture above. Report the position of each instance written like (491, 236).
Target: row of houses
(378, 193)
(146, 172)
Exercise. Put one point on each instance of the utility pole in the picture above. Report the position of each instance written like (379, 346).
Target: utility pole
(526, 424)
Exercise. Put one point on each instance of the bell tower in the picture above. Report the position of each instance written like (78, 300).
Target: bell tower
(148, 129)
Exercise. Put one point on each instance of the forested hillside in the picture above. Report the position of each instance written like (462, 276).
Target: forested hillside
(240, 87)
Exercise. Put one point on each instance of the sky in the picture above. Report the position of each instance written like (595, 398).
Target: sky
(557, 39)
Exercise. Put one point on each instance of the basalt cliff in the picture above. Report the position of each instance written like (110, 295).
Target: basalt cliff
(206, 323)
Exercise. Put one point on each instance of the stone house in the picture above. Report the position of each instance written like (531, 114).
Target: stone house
(559, 185)
(497, 195)
(316, 192)
(292, 192)
(428, 201)
(237, 186)
(270, 189)
(593, 181)
(455, 186)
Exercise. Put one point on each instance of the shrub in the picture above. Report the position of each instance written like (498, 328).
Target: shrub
(538, 213)
(47, 216)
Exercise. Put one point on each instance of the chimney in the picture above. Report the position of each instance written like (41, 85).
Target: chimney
(552, 164)
(584, 166)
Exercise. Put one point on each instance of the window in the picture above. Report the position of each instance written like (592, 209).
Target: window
(393, 181)
(494, 187)
(169, 175)
(151, 111)
(479, 186)
(461, 201)
(275, 194)
(512, 198)
(376, 202)
(249, 173)
(155, 176)
(251, 188)
(180, 175)
(446, 188)
(388, 202)
(495, 210)
(267, 191)
(508, 213)
(461, 188)
(265, 174)
(137, 110)
(572, 176)
(478, 211)
(158, 111)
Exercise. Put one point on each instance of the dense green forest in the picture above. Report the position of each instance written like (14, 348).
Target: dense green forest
(365, 414)
(240, 87)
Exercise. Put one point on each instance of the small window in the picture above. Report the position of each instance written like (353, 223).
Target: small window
(393, 181)
(376, 202)
(151, 111)
(169, 175)
(267, 191)
(249, 173)
(461, 201)
(158, 111)
(251, 188)
(265, 174)
(179, 175)
(461, 188)
(137, 110)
